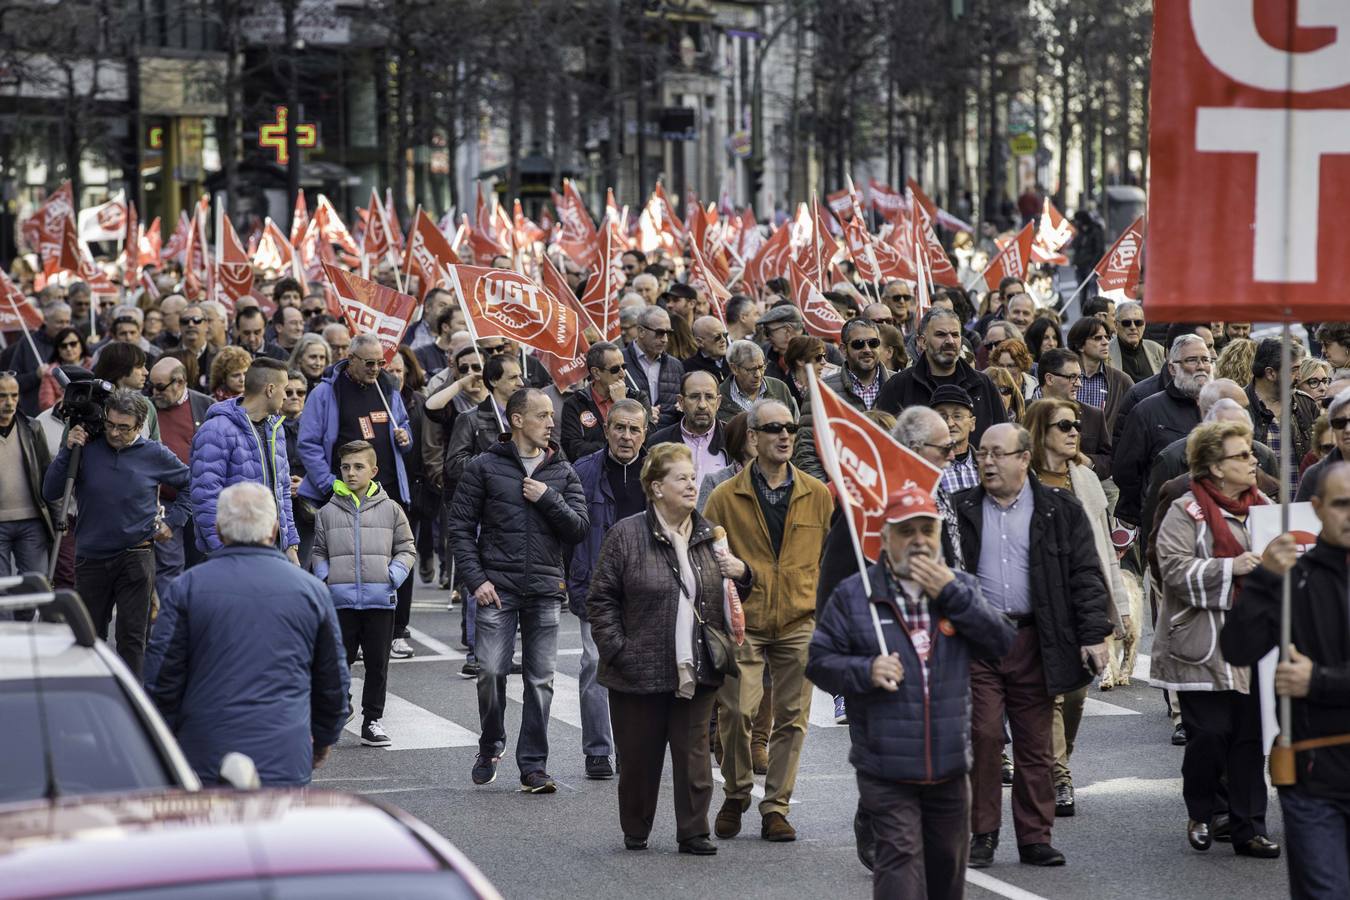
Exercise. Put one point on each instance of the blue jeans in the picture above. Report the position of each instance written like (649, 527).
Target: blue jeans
(1317, 841)
(26, 541)
(496, 639)
(170, 559)
(597, 738)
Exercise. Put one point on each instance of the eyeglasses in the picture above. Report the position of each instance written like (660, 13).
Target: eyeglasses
(114, 428)
(1198, 361)
(1131, 323)
(1067, 425)
(719, 337)
(375, 363)
(881, 320)
(818, 358)
(1006, 391)
(494, 350)
(869, 343)
(1310, 382)
(64, 345)
(191, 320)
(292, 392)
(750, 369)
(954, 415)
(947, 449)
(160, 388)
(659, 332)
(778, 427)
(1339, 423)
(1245, 456)
(615, 370)
(997, 454)
(1078, 377)
(469, 367)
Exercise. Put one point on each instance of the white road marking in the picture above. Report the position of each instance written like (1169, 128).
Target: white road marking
(1002, 888)
(822, 709)
(1095, 707)
(411, 727)
(566, 705)
(431, 643)
(757, 791)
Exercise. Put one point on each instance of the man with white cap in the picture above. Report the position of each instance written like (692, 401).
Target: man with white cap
(908, 701)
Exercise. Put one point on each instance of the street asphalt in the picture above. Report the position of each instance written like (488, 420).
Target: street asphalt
(1127, 840)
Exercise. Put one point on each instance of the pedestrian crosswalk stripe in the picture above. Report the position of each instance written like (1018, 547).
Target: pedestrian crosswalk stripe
(410, 726)
(566, 706)
(1095, 707)
(1002, 888)
(822, 709)
(439, 647)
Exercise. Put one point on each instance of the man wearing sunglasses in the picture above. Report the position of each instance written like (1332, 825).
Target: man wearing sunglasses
(585, 411)
(1130, 351)
(860, 380)
(653, 371)
(1061, 375)
(117, 488)
(193, 339)
(712, 339)
(775, 516)
(1338, 414)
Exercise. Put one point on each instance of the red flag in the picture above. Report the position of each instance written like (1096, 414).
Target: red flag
(178, 241)
(195, 264)
(1011, 261)
(503, 303)
(275, 253)
(299, 219)
(44, 230)
(1118, 271)
(702, 278)
(391, 220)
(822, 320)
(16, 311)
(842, 203)
(131, 249)
(602, 291)
(921, 200)
(579, 238)
(886, 200)
(565, 372)
(669, 221)
(331, 228)
(527, 233)
(151, 245)
(553, 281)
(771, 261)
(864, 461)
(233, 271)
(876, 261)
(75, 257)
(377, 245)
(428, 252)
(936, 262)
(371, 308)
(1052, 234)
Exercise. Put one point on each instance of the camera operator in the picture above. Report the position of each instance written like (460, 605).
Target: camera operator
(117, 487)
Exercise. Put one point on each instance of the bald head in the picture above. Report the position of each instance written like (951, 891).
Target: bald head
(1220, 389)
(168, 383)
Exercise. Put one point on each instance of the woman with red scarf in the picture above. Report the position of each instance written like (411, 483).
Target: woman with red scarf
(1204, 551)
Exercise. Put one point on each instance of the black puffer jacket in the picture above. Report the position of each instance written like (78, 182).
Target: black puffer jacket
(1070, 596)
(499, 536)
(634, 597)
(1151, 426)
(472, 434)
(914, 387)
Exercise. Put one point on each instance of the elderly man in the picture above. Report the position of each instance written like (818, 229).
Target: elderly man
(941, 363)
(1338, 413)
(710, 336)
(610, 480)
(878, 314)
(1014, 530)
(775, 516)
(194, 340)
(247, 623)
(338, 339)
(181, 411)
(1130, 351)
(781, 324)
(913, 799)
(27, 368)
(1158, 421)
(899, 296)
(654, 371)
(647, 287)
(584, 411)
(698, 428)
(742, 312)
(748, 383)
(954, 406)
(860, 380)
(171, 307)
(1021, 311)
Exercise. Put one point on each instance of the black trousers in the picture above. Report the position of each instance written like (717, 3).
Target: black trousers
(371, 630)
(921, 836)
(124, 583)
(403, 610)
(1223, 731)
(644, 725)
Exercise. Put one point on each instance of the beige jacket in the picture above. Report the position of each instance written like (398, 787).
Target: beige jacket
(1087, 487)
(1197, 591)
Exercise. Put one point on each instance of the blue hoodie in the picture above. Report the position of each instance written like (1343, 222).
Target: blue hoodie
(318, 434)
(118, 493)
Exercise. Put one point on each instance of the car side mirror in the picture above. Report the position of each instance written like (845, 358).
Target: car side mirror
(239, 772)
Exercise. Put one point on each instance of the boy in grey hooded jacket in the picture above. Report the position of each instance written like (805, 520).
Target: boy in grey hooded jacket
(363, 549)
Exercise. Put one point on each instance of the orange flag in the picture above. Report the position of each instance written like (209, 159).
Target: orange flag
(1011, 261)
(1118, 271)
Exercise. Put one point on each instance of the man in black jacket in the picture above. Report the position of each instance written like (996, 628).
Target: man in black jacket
(654, 371)
(712, 339)
(1263, 396)
(585, 409)
(1025, 543)
(941, 363)
(1317, 806)
(518, 506)
(1158, 421)
(698, 428)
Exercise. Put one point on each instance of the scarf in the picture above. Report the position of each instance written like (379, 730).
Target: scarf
(1213, 504)
(684, 615)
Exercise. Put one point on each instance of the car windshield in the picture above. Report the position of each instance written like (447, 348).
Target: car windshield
(98, 743)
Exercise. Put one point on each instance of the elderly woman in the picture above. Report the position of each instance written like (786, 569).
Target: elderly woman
(1323, 442)
(1204, 550)
(1013, 355)
(310, 357)
(1056, 429)
(1313, 378)
(227, 373)
(1009, 391)
(656, 590)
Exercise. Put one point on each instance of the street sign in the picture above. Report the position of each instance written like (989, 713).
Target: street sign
(1022, 144)
(1249, 161)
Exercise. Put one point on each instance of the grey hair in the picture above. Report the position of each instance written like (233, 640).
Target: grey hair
(629, 405)
(1214, 391)
(1224, 405)
(130, 312)
(915, 424)
(1174, 354)
(628, 315)
(365, 341)
(1010, 331)
(1128, 304)
(60, 306)
(760, 406)
(650, 314)
(744, 352)
(302, 347)
(246, 513)
(216, 307)
(1341, 401)
(128, 403)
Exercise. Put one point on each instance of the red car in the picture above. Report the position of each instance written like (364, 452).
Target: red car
(207, 845)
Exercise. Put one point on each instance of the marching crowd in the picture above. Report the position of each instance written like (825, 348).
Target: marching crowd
(257, 494)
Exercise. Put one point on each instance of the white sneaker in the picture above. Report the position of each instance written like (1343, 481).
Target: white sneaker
(401, 649)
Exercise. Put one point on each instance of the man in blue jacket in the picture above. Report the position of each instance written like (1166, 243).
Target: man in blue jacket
(610, 478)
(909, 696)
(246, 654)
(242, 440)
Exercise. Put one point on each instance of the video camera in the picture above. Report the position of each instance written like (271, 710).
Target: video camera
(83, 401)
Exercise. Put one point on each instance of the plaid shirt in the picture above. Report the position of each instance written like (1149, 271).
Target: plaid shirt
(867, 393)
(961, 474)
(773, 496)
(914, 616)
(1092, 391)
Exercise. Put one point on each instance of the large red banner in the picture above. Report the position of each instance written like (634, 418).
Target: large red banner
(371, 308)
(1249, 152)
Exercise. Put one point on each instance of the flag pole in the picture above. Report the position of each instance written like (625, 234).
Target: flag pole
(1068, 304)
(825, 429)
(1282, 754)
(453, 278)
(9, 294)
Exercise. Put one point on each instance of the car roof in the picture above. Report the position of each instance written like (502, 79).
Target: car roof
(54, 648)
(81, 845)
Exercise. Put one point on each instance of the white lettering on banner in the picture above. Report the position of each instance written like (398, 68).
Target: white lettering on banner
(1228, 37)
(1289, 145)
